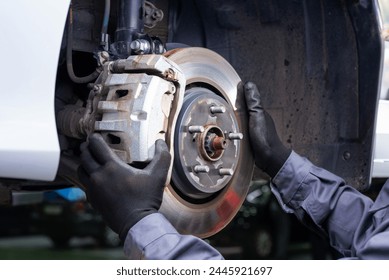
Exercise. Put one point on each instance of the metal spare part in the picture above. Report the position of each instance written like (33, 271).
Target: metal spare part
(209, 148)
(137, 105)
(152, 16)
(213, 163)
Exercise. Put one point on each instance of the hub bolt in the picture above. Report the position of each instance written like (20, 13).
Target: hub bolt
(235, 136)
(217, 109)
(226, 171)
(196, 129)
(201, 169)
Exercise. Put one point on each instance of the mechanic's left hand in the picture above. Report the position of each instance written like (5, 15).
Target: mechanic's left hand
(121, 193)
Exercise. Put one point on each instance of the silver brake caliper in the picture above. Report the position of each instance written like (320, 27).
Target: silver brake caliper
(137, 103)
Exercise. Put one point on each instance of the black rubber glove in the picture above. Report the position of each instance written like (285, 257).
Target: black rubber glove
(121, 193)
(269, 152)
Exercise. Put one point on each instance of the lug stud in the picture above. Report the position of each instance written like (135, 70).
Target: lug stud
(196, 129)
(235, 136)
(201, 169)
(217, 109)
(226, 171)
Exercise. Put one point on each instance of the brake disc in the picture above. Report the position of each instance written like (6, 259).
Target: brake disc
(213, 163)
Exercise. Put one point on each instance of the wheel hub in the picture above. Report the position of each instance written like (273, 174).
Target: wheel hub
(205, 158)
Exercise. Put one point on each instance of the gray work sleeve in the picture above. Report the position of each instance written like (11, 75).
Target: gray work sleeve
(154, 238)
(355, 225)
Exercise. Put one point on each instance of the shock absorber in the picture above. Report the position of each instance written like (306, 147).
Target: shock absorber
(129, 35)
(130, 26)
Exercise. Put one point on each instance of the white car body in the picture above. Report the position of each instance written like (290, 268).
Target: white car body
(30, 48)
(381, 147)
(381, 152)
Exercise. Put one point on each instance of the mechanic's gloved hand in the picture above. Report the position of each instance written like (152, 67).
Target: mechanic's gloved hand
(121, 193)
(270, 154)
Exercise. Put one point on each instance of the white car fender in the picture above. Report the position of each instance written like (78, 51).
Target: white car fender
(381, 149)
(31, 34)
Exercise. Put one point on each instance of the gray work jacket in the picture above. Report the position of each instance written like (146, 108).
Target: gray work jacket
(355, 225)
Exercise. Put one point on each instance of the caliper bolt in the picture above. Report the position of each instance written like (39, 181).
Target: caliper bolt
(217, 109)
(97, 88)
(173, 89)
(235, 136)
(170, 74)
(226, 171)
(201, 169)
(105, 55)
(196, 129)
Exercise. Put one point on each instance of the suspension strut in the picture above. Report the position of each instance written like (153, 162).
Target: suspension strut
(130, 38)
(130, 26)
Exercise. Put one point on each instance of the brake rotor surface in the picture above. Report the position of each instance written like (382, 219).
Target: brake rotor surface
(213, 163)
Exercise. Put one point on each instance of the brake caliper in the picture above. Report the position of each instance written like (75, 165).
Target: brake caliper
(135, 102)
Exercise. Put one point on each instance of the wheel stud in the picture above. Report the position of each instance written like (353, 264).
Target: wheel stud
(217, 109)
(235, 136)
(196, 129)
(201, 169)
(226, 171)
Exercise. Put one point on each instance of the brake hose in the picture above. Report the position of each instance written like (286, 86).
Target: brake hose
(107, 9)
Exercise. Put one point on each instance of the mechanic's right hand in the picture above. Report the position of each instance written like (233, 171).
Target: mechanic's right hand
(269, 152)
(121, 193)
